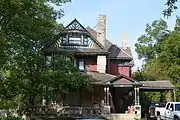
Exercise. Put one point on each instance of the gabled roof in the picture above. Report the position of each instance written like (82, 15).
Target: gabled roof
(108, 79)
(122, 80)
(115, 52)
(76, 26)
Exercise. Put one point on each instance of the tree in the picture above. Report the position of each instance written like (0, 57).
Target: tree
(171, 6)
(26, 28)
(164, 65)
(170, 55)
(148, 43)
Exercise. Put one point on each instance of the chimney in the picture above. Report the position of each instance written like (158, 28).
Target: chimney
(101, 32)
(124, 41)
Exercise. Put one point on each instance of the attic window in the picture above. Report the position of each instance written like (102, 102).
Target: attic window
(75, 39)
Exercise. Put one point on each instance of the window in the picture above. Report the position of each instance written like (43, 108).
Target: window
(48, 60)
(167, 107)
(172, 107)
(177, 107)
(85, 40)
(75, 39)
(123, 62)
(80, 64)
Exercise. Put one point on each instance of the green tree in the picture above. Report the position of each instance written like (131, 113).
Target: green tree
(165, 65)
(147, 45)
(170, 55)
(26, 29)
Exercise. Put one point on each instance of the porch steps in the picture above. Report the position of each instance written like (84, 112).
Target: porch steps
(121, 117)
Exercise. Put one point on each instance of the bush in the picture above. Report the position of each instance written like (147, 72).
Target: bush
(11, 118)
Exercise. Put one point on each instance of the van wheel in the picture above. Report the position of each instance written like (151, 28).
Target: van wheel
(158, 117)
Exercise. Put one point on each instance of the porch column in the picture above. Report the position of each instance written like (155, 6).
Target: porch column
(106, 95)
(136, 95)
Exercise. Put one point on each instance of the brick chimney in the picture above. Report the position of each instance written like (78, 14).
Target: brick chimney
(101, 37)
(124, 41)
(101, 29)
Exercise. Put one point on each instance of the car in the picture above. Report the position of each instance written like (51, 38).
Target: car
(154, 110)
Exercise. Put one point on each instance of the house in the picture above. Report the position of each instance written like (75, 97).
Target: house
(109, 66)
(107, 63)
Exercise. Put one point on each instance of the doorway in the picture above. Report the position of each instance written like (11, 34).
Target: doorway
(122, 97)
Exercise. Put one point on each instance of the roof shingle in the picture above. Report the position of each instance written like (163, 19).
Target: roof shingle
(114, 51)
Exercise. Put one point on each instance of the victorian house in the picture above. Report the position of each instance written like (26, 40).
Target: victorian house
(107, 63)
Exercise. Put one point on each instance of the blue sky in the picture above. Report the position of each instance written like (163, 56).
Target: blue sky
(128, 16)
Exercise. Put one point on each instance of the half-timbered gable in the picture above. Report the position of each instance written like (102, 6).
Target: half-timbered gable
(75, 36)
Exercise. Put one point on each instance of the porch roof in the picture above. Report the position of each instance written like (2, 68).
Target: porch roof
(100, 78)
(123, 80)
(157, 85)
(106, 79)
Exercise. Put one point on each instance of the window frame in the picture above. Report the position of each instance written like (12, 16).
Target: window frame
(77, 64)
(167, 107)
(82, 40)
(48, 60)
(172, 106)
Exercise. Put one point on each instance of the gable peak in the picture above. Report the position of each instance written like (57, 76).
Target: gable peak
(75, 25)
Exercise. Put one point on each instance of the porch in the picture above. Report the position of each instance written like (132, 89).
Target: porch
(109, 95)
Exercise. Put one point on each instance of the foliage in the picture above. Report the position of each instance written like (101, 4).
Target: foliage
(163, 60)
(171, 6)
(11, 118)
(64, 77)
(148, 43)
(26, 29)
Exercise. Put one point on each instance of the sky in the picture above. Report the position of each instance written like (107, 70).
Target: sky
(130, 16)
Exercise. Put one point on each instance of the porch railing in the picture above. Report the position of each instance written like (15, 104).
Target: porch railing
(63, 111)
